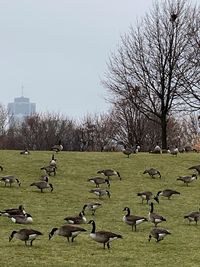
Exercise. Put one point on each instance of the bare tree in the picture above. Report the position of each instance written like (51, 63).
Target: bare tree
(3, 125)
(96, 131)
(191, 94)
(132, 124)
(153, 63)
(3, 119)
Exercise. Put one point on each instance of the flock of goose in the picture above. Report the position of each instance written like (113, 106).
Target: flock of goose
(72, 228)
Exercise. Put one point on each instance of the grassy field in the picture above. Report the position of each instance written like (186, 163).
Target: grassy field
(71, 192)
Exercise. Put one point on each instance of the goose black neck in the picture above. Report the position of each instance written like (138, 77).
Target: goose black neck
(151, 210)
(128, 211)
(84, 207)
(93, 227)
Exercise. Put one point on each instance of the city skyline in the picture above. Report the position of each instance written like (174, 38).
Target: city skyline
(20, 109)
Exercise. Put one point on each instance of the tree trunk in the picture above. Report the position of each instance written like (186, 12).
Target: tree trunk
(164, 131)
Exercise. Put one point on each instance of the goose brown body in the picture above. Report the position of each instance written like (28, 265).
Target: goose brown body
(50, 169)
(42, 185)
(158, 233)
(133, 220)
(58, 147)
(104, 237)
(193, 216)
(10, 179)
(154, 217)
(152, 172)
(128, 151)
(100, 192)
(147, 195)
(13, 211)
(68, 231)
(99, 180)
(25, 152)
(109, 172)
(196, 167)
(168, 193)
(76, 219)
(93, 206)
(22, 219)
(25, 235)
(187, 179)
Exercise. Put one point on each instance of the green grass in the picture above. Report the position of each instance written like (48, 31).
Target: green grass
(71, 192)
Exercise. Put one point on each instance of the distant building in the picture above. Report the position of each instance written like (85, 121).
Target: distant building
(20, 109)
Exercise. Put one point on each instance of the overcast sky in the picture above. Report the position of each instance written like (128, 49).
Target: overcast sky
(58, 49)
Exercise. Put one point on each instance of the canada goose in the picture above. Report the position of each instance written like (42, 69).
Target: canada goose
(67, 230)
(158, 233)
(153, 217)
(147, 195)
(197, 168)
(13, 211)
(10, 179)
(157, 149)
(104, 237)
(193, 216)
(175, 151)
(100, 192)
(21, 219)
(58, 147)
(127, 151)
(152, 172)
(167, 193)
(187, 179)
(25, 152)
(76, 219)
(133, 220)
(109, 172)
(1, 168)
(181, 149)
(42, 185)
(49, 169)
(25, 235)
(98, 181)
(92, 207)
(53, 161)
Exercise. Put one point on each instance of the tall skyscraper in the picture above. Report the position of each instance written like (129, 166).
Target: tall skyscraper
(20, 109)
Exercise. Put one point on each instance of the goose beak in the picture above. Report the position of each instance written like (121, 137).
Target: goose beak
(10, 238)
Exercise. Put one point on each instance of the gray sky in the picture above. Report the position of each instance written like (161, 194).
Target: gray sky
(58, 49)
